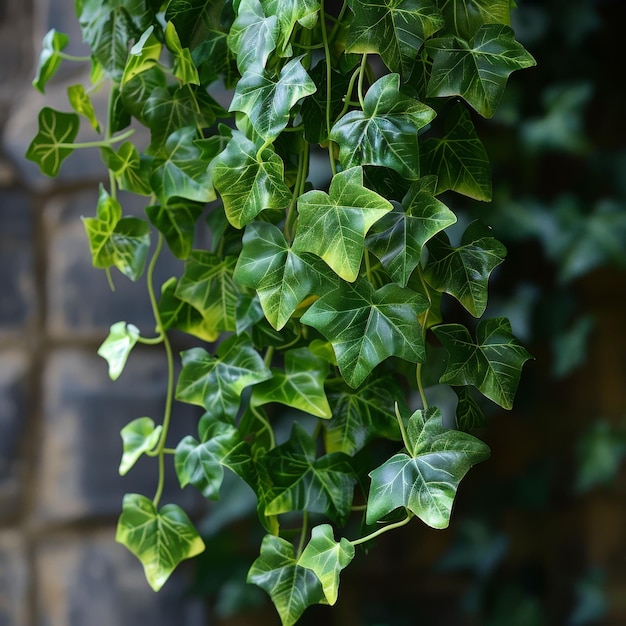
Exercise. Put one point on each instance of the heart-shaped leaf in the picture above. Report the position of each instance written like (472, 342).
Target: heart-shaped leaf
(138, 437)
(81, 103)
(131, 170)
(159, 539)
(493, 363)
(425, 480)
(117, 346)
(49, 59)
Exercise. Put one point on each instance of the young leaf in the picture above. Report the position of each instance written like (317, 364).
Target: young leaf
(159, 539)
(139, 436)
(117, 346)
(184, 68)
(281, 277)
(117, 241)
(300, 386)
(464, 272)
(426, 479)
(493, 363)
(246, 183)
(292, 587)
(177, 221)
(367, 326)
(267, 99)
(333, 225)
(216, 383)
(290, 13)
(81, 103)
(49, 59)
(144, 55)
(385, 132)
(131, 170)
(398, 237)
(468, 15)
(476, 70)
(396, 30)
(302, 482)
(327, 558)
(53, 142)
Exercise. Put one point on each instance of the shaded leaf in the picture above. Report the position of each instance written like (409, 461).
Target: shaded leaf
(184, 68)
(466, 16)
(177, 222)
(290, 13)
(469, 415)
(117, 346)
(131, 169)
(81, 103)
(49, 58)
(138, 437)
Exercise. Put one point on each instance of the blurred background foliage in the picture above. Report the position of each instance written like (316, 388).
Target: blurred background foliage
(537, 536)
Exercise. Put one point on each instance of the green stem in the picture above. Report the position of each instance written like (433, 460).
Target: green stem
(420, 385)
(405, 439)
(150, 341)
(101, 143)
(347, 102)
(337, 26)
(329, 84)
(362, 71)
(268, 356)
(303, 533)
(71, 57)
(266, 144)
(267, 425)
(384, 529)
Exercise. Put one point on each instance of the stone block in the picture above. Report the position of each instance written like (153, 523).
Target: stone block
(13, 580)
(91, 580)
(81, 446)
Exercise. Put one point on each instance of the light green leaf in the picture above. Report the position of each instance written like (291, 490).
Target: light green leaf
(464, 272)
(366, 326)
(53, 142)
(398, 237)
(182, 173)
(184, 68)
(292, 587)
(81, 103)
(290, 13)
(177, 222)
(159, 539)
(144, 55)
(302, 482)
(385, 132)
(476, 70)
(333, 225)
(268, 99)
(117, 346)
(117, 241)
(327, 557)
(466, 16)
(458, 159)
(493, 363)
(207, 285)
(49, 59)
(131, 169)
(300, 386)
(253, 35)
(216, 383)
(281, 277)
(138, 437)
(425, 480)
(247, 182)
(395, 29)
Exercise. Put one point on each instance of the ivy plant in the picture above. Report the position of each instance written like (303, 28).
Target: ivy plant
(327, 185)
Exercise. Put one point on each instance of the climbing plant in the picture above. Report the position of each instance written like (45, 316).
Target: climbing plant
(323, 299)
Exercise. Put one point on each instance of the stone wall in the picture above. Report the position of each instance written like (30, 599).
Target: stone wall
(60, 416)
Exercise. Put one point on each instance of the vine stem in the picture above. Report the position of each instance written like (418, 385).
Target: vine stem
(362, 71)
(303, 533)
(329, 84)
(405, 439)
(100, 143)
(384, 529)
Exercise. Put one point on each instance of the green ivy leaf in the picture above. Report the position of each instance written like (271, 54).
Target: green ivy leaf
(143, 56)
(268, 99)
(248, 182)
(281, 277)
(292, 587)
(290, 13)
(138, 437)
(253, 35)
(53, 142)
(360, 415)
(476, 70)
(117, 241)
(184, 68)
(469, 415)
(200, 464)
(81, 103)
(177, 222)
(302, 482)
(159, 539)
(398, 237)
(49, 59)
(458, 159)
(207, 285)
(136, 93)
(493, 363)
(300, 386)
(468, 15)
(216, 383)
(385, 132)
(366, 326)
(182, 173)
(425, 480)
(131, 170)
(333, 225)
(117, 346)
(327, 557)
(464, 272)
(394, 29)
(194, 18)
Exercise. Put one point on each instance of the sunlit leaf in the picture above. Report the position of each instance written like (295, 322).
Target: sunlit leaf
(116, 348)
(184, 68)
(290, 13)
(143, 56)
(49, 58)
(131, 169)
(81, 103)
(139, 436)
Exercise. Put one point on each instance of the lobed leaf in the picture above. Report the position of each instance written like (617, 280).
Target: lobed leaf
(177, 222)
(139, 436)
(117, 346)
(81, 103)
(131, 169)
(49, 59)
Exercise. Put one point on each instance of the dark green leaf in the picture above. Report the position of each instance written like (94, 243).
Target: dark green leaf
(49, 59)
(425, 480)
(469, 415)
(366, 326)
(135, 94)
(117, 346)
(138, 437)
(131, 169)
(476, 70)
(385, 132)
(177, 222)
(53, 142)
(159, 539)
(468, 15)
(184, 68)
(333, 225)
(193, 19)
(292, 587)
(289, 13)
(493, 363)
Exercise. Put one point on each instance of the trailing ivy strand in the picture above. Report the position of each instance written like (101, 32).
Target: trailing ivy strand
(317, 304)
